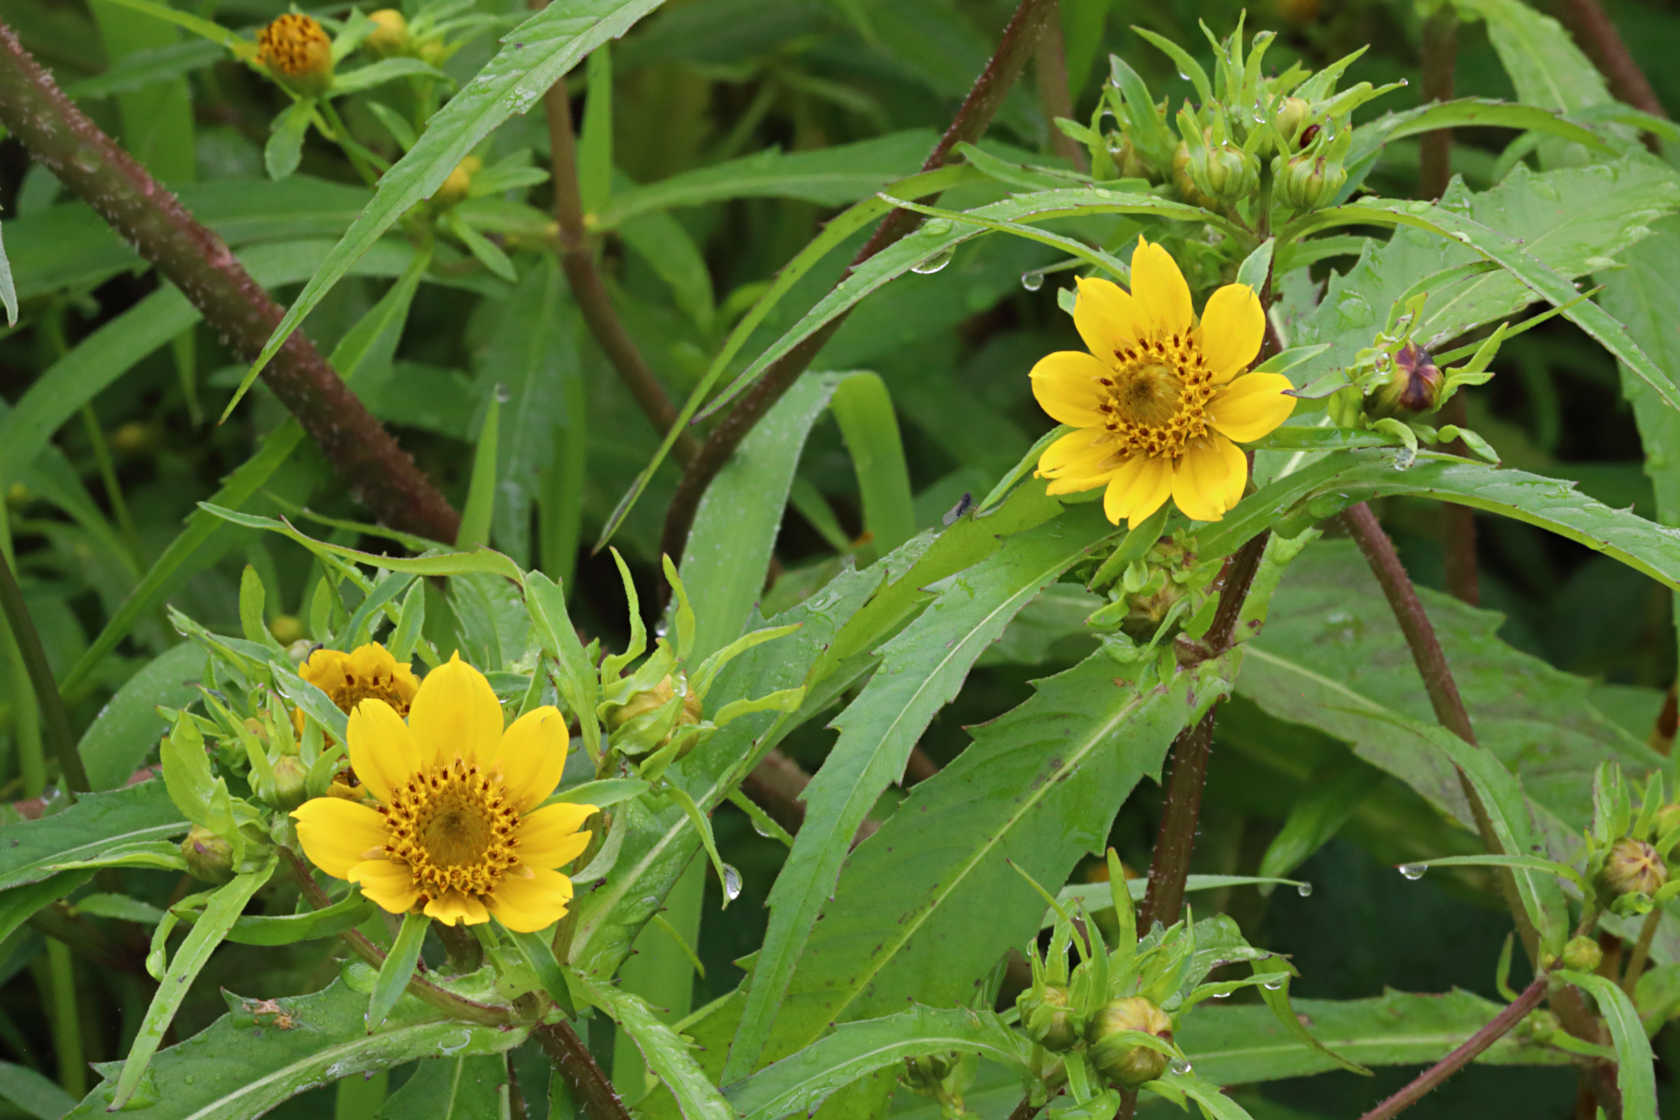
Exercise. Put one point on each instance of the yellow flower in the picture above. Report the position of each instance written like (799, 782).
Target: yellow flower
(1159, 400)
(457, 832)
(367, 672)
(295, 48)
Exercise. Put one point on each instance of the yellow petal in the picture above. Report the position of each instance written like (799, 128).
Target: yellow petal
(372, 660)
(324, 669)
(1137, 490)
(1080, 452)
(382, 751)
(531, 756)
(1251, 406)
(1106, 316)
(455, 908)
(387, 883)
(527, 904)
(1202, 483)
(550, 837)
(1233, 326)
(456, 715)
(1159, 288)
(1066, 385)
(337, 834)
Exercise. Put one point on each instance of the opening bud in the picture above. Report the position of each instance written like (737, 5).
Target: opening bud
(1047, 1018)
(1306, 182)
(291, 778)
(1291, 117)
(296, 50)
(1413, 386)
(1581, 954)
(1118, 1058)
(1632, 867)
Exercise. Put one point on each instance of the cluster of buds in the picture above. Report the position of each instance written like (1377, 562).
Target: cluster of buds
(655, 713)
(1247, 142)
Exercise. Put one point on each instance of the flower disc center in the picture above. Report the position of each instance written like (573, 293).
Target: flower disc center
(1148, 393)
(457, 831)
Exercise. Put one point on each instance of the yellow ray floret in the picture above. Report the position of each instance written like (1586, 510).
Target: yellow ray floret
(456, 832)
(1157, 403)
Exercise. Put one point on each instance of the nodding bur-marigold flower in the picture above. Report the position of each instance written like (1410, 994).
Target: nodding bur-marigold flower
(1047, 1018)
(209, 856)
(457, 833)
(1632, 867)
(296, 50)
(1413, 386)
(390, 33)
(1161, 401)
(1118, 1058)
(367, 671)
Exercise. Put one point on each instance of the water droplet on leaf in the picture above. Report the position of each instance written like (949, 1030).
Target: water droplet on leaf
(1032, 281)
(731, 883)
(1412, 871)
(1180, 1066)
(1304, 889)
(927, 266)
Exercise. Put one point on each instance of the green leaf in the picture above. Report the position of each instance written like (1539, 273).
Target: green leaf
(1246, 1044)
(578, 683)
(473, 1087)
(533, 56)
(8, 290)
(1333, 484)
(266, 1051)
(481, 488)
(127, 728)
(830, 176)
(1611, 206)
(799, 1083)
(285, 140)
(479, 561)
(1644, 294)
(864, 411)
(594, 145)
(19, 904)
(95, 823)
(666, 1054)
(220, 913)
(538, 953)
(921, 669)
(1542, 60)
(1038, 788)
(397, 969)
(1635, 1064)
(288, 929)
(37, 1095)
(1478, 112)
(738, 518)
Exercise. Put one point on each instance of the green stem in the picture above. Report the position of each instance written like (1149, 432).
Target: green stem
(55, 721)
(108, 479)
(976, 112)
(198, 262)
(66, 1020)
(1641, 951)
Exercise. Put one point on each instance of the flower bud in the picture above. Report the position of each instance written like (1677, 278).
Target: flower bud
(1290, 118)
(927, 1072)
(652, 716)
(286, 628)
(1632, 867)
(1581, 954)
(390, 33)
(459, 182)
(1668, 819)
(296, 50)
(1128, 164)
(1232, 174)
(1306, 182)
(1182, 178)
(290, 781)
(1047, 1019)
(1119, 1059)
(1413, 386)
(209, 856)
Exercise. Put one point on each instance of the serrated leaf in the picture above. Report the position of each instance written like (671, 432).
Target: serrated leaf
(1036, 789)
(1635, 1064)
(802, 1081)
(533, 56)
(465, 1088)
(266, 1051)
(666, 1054)
(1247, 1045)
(85, 830)
(1611, 207)
(921, 670)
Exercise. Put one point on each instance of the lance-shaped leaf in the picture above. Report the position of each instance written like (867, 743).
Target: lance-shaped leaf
(664, 1051)
(90, 828)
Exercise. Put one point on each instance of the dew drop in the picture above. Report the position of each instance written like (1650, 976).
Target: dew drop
(936, 226)
(731, 883)
(1032, 281)
(1180, 1066)
(1412, 871)
(1274, 982)
(1304, 889)
(503, 393)
(927, 266)
(1220, 995)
